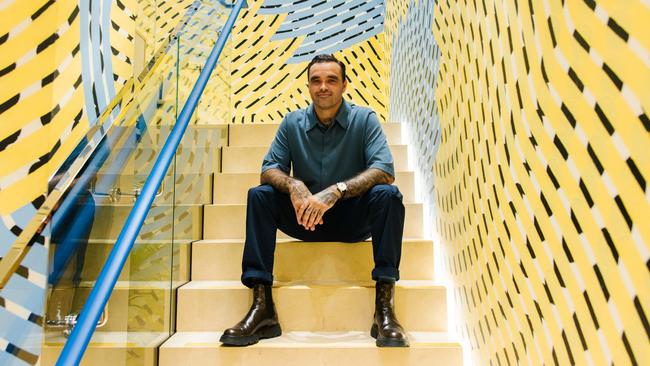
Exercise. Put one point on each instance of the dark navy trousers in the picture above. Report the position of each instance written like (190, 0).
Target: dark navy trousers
(378, 213)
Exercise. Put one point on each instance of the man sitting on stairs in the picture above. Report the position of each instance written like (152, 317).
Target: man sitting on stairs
(340, 191)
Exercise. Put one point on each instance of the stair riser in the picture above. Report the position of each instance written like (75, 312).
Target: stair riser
(187, 222)
(249, 159)
(263, 134)
(106, 356)
(311, 261)
(146, 262)
(134, 310)
(316, 308)
(229, 222)
(193, 160)
(194, 136)
(185, 189)
(233, 188)
(301, 356)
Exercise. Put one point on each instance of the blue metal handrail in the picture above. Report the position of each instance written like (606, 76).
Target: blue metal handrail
(76, 345)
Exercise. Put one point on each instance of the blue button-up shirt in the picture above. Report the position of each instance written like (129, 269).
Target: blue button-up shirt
(321, 156)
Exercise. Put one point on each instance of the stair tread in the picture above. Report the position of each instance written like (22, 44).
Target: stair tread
(145, 241)
(244, 204)
(292, 240)
(131, 204)
(306, 339)
(257, 174)
(235, 284)
(262, 147)
(112, 339)
(139, 285)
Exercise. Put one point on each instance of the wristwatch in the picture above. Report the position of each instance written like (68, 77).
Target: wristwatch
(342, 187)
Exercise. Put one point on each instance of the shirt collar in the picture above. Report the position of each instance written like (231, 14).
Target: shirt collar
(341, 116)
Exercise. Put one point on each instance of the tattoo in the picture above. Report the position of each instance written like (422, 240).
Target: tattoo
(298, 191)
(328, 196)
(278, 179)
(284, 183)
(367, 179)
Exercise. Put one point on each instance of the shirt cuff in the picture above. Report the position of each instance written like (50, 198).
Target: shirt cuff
(386, 167)
(266, 167)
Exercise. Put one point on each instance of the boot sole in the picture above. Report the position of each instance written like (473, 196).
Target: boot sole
(262, 333)
(387, 342)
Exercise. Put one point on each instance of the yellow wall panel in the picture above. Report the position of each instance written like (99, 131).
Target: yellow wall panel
(539, 192)
(265, 87)
(16, 13)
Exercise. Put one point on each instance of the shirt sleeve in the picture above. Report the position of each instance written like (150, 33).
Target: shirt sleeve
(377, 153)
(279, 155)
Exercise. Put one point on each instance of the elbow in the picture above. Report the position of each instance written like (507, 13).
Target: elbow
(264, 177)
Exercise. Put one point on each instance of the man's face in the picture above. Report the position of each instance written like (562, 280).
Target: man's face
(326, 84)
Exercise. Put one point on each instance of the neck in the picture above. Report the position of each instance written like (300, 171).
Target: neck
(326, 116)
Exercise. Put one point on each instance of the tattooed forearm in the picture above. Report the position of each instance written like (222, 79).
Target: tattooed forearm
(367, 179)
(329, 196)
(284, 183)
(278, 179)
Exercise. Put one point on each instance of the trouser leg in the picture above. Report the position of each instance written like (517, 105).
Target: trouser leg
(267, 211)
(378, 213)
(262, 215)
(386, 217)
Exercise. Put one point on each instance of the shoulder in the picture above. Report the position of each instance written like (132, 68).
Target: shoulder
(360, 113)
(295, 119)
(363, 118)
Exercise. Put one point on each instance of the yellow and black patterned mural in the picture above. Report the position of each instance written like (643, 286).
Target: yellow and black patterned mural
(272, 46)
(529, 119)
(538, 177)
(61, 65)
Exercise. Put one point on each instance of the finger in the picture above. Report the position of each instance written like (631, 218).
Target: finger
(301, 211)
(319, 219)
(304, 219)
(312, 219)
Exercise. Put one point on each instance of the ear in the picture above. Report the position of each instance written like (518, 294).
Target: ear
(345, 84)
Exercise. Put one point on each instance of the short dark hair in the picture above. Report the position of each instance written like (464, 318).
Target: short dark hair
(326, 58)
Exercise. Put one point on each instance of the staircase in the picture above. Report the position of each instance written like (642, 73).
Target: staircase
(323, 292)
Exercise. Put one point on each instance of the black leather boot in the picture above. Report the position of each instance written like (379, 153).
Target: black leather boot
(386, 329)
(261, 321)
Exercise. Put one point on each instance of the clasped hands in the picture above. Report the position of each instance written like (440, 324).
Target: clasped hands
(310, 208)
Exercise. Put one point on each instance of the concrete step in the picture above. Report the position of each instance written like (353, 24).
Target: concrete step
(262, 134)
(140, 160)
(214, 260)
(233, 187)
(109, 348)
(311, 348)
(183, 188)
(213, 135)
(185, 220)
(327, 306)
(229, 221)
(247, 159)
(134, 306)
(149, 260)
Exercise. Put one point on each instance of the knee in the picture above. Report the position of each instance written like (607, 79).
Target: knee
(385, 192)
(260, 193)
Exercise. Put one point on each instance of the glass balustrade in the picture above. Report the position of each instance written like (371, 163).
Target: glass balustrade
(140, 314)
